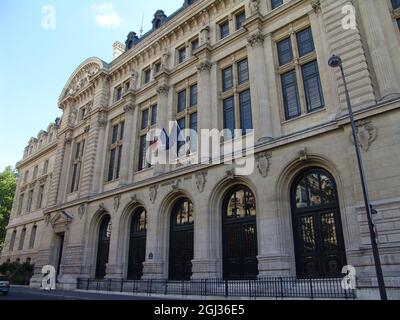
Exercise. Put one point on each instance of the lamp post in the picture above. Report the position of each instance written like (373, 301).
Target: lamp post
(335, 62)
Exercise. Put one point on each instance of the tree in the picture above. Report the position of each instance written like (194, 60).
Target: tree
(8, 183)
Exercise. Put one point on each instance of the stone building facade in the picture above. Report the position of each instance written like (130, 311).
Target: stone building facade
(90, 205)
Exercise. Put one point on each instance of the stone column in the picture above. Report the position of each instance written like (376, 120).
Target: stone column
(384, 68)
(260, 97)
(204, 100)
(204, 264)
(63, 178)
(126, 174)
(114, 269)
(162, 116)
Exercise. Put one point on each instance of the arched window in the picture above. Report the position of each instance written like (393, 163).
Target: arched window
(103, 247)
(137, 244)
(240, 234)
(181, 240)
(318, 235)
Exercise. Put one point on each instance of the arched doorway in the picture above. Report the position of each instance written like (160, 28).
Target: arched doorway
(103, 247)
(137, 244)
(181, 240)
(318, 235)
(240, 248)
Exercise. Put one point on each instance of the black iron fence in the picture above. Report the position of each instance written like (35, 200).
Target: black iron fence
(278, 288)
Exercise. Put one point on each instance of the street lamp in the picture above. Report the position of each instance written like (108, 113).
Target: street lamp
(334, 62)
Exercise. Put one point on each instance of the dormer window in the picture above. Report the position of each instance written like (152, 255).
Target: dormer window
(159, 19)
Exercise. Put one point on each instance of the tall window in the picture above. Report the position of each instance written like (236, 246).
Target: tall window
(35, 172)
(77, 165)
(181, 54)
(396, 4)
(22, 239)
(115, 150)
(148, 121)
(33, 237)
(237, 113)
(194, 44)
(26, 174)
(147, 75)
(224, 29)
(239, 19)
(20, 204)
(298, 69)
(12, 240)
(276, 3)
(186, 117)
(29, 204)
(45, 167)
(118, 93)
(40, 197)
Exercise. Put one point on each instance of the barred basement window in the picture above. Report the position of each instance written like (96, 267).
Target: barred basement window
(299, 74)
(115, 150)
(77, 165)
(236, 96)
(148, 122)
(186, 117)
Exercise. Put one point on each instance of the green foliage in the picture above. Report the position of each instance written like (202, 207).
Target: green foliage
(19, 273)
(8, 183)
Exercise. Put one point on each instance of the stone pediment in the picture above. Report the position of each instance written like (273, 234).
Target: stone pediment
(59, 221)
(82, 76)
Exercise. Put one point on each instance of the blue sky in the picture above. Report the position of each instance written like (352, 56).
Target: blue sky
(35, 62)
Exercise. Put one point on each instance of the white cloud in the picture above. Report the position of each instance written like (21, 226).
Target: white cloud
(106, 15)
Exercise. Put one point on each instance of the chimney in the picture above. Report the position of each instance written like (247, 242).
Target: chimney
(118, 49)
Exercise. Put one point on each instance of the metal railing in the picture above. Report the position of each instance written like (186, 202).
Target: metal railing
(278, 288)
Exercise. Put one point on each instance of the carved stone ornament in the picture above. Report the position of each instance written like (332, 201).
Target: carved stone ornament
(204, 36)
(204, 67)
(175, 185)
(264, 164)
(153, 193)
(134, 199)
(366, 133)
(164, 59)
(201, 181)
(256, 39)
(230, 173)
(102, 120)
(254, 6)
(102, 206)
(82, 79)
(47, 218)
(117, 202)
(82, 210)
(130, 107)
(303, 154)
(316, 5)
(68, 138)
(163, 90)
